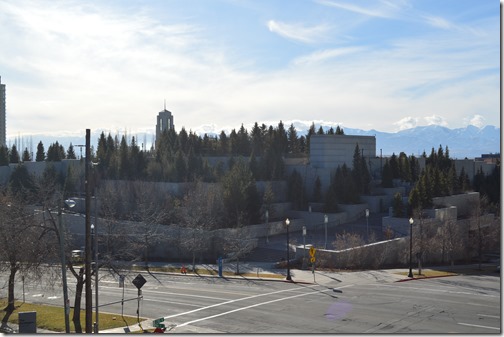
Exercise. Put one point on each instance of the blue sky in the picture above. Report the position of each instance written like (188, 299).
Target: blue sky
(386, 65)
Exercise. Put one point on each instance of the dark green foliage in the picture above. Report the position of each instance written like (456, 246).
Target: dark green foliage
(55, 152)
(40, 156)
(295, 191)
(4, 156)
(13, 155)
(70, 152)
(26, 155)
(21, 184)
(241, 199)
(398, 205)
(387, 181)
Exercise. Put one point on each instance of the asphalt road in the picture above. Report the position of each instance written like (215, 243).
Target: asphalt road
(369, 302)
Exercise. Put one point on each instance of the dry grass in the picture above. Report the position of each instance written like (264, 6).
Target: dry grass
(52, 317)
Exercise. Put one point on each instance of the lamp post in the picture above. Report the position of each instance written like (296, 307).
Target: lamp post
(410, 246)
(66, 302)
(94, 234)
(267, 226)
(304, 247)
(367, 223)
(326, 219)
(288, 278)
(87, 257)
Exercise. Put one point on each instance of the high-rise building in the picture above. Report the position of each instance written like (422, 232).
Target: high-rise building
(3, 140)
(164, 122)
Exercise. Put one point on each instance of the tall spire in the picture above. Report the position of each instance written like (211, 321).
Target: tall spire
(165, 104)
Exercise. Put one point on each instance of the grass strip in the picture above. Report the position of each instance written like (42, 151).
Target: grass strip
(52, 317)
(211, 272)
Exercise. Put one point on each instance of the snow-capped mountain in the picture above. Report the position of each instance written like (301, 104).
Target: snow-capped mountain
(470, 142)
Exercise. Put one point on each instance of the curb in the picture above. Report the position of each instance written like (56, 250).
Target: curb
(422, 278)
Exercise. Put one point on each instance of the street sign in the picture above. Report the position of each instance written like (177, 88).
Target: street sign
(157, 323)
(312, 251)
(312, 260)
(139, 281)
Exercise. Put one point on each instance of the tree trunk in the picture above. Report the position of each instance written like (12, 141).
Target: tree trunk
(9, 309)
(77, 303)
(194, 261)
(237, 266)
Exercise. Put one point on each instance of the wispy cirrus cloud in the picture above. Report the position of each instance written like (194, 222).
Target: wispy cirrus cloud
(298, 32)
(327, 54)
(381, 9)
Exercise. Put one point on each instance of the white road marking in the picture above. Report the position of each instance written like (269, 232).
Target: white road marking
(231, 301)
(38, 295)
(254, 305)
(172, 302)
(491, 316)
(53, 297)
(480, 326)
(435, 290)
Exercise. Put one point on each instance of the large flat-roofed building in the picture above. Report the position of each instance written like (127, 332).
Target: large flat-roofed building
(3, 128)
(331, 151)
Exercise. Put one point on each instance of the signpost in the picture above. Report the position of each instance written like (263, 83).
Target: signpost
(139, 281)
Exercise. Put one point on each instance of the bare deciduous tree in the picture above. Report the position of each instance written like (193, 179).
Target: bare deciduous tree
(200, 212)
(22, 250)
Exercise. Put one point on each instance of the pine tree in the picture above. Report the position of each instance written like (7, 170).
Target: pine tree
(14, 155)
(40, 156)
(26, 155)
(71, 152)
(4, 156)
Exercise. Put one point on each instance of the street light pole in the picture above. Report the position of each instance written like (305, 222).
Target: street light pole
(63, 272)
(326, 219)
(96, 266)
(288, 278)
(87, 258)
(304, 247)
(367, 224)
(267, 226)
(410, 246)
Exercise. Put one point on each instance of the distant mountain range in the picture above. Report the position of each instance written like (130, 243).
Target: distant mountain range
(469, 142)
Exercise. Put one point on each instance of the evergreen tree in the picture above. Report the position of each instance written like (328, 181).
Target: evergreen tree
(26, 155)
(292, 140)
(311, 132)
(339, 131)
(180, 167)
(4, 156)
(240, 196)
(223, 144)
(40, 156)
(71, 152)
(398, 205)
(55, 152)
(387, 181)
(14, 155)
(124, 167)
(257, 140)
(295, 190)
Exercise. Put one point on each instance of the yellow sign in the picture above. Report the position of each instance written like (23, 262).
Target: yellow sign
(312, 251)
(312, 260)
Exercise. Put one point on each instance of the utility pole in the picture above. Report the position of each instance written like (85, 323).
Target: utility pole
(89, 295)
